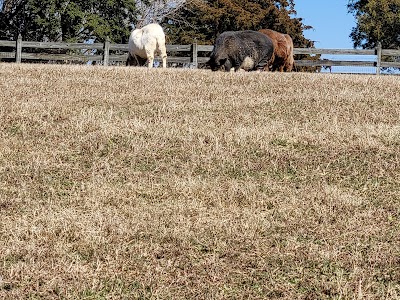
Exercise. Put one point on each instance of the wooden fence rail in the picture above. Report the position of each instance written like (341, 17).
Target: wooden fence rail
(188, 54)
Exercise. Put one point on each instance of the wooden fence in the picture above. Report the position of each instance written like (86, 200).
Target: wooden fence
(107, 53)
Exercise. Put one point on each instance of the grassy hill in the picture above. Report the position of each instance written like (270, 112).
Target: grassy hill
(128, 183)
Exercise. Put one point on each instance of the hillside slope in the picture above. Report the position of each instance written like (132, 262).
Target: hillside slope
(129, 183)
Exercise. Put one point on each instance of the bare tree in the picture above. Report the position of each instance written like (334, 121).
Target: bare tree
(7, 6)
(150, 11)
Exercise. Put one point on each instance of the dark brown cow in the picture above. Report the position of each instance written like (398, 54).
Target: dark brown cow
(283, 50)
(248, 50)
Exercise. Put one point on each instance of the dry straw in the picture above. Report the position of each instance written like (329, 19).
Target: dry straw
(128, 183)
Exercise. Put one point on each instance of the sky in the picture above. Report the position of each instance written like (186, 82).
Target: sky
(331, 21)
(332, 25)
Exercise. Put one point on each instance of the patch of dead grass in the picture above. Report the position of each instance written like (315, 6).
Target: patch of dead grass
(134, 183)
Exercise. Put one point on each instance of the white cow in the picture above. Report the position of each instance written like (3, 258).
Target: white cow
(143, 45)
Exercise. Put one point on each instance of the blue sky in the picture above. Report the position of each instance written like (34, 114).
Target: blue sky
(331, 21)
(332, 25)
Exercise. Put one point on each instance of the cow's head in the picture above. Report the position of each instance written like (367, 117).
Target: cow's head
(218, 64)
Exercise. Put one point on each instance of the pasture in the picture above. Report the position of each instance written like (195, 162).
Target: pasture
(129, 183)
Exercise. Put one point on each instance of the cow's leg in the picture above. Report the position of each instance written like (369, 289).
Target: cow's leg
(129, 61)
(264, 64)
(163, 52)
(150, 57)
(151, 62)
(237, 66)
(289, 65)
(228, 66)
(133, 60)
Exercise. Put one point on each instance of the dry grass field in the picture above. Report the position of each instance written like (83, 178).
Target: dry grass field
(128, 183)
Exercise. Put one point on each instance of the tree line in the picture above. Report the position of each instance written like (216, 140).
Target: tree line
(185, 21)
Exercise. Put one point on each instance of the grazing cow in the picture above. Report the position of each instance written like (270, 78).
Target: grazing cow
(248, 50)
(144, 43)
(283, 53)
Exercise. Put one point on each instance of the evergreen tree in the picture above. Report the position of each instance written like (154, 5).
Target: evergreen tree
(11, 18)
(377, 21)
(70, 21)
(204, 20)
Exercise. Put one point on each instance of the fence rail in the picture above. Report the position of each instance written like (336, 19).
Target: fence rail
(189, 54)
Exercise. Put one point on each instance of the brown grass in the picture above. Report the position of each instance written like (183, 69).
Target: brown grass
(128, 183)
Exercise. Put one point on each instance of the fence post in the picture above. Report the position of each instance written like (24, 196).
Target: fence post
(106, 54)
(378, 51)
(194, 55)
(18, 54)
